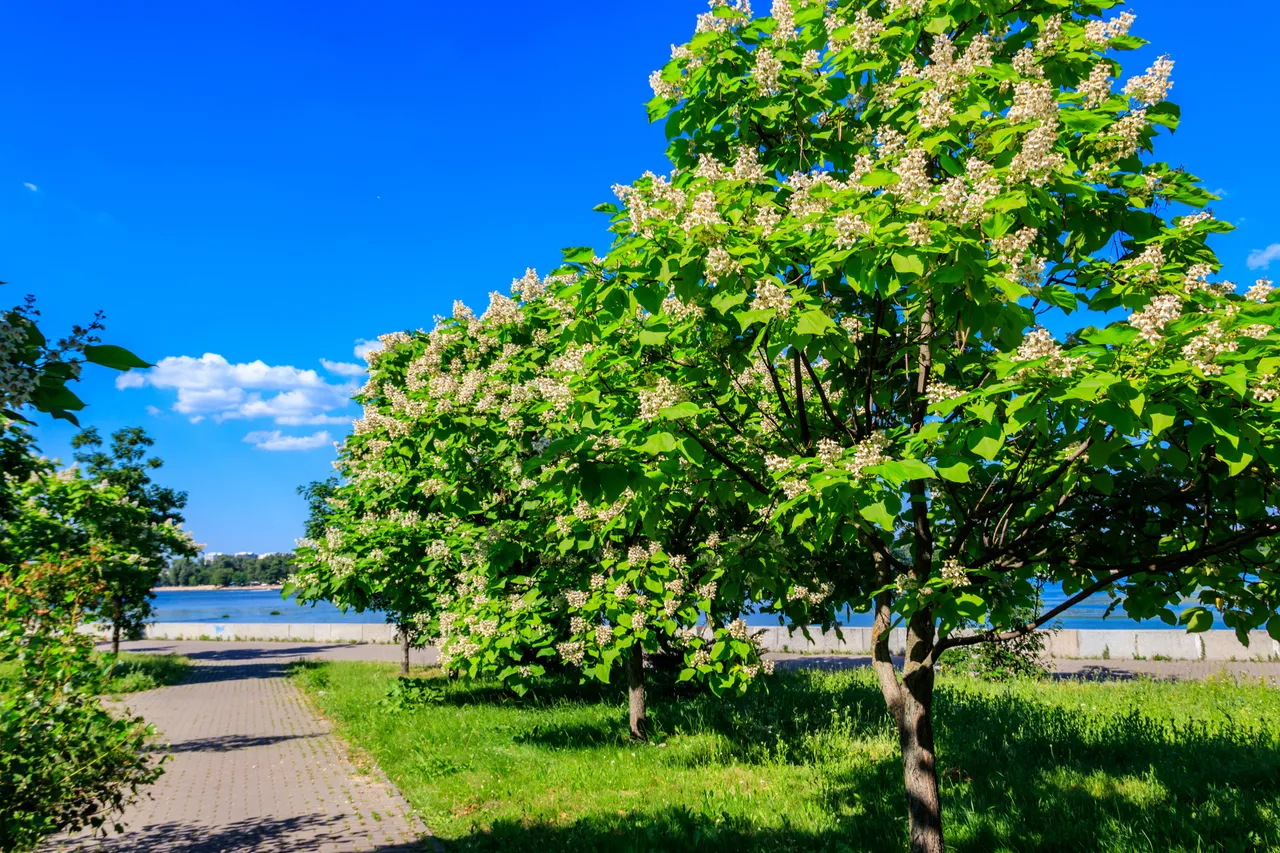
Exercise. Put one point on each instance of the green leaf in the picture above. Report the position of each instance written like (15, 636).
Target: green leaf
(680, 410)
(1162, 416)
(1113, 336)
(908, 262)
(878, 514)
(759, 315)
(914, 469)
(1273, 627)
(650, 338)
(1196, 619)
(957, 470)
(578, 254)
(722, 302)
(879, 178)
(663, 442)
(987, 441)
(814, 323)
(117, 358)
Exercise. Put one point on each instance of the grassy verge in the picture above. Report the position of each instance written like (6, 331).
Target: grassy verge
(812, 764)
(134, 672)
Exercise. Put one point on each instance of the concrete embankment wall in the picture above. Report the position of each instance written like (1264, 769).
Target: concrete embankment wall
(1117, 644)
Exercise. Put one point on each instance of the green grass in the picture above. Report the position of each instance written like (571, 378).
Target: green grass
(812, 764)
(134, 672)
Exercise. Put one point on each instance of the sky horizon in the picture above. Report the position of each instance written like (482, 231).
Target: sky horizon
(252, 194)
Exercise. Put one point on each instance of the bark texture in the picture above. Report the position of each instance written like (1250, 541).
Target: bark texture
(115, 627)
(404, 647)
(635, 691)
(915, 735)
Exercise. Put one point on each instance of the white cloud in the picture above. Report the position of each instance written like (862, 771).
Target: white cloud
(211, 386)
(1260, 259)
(364, 347)
(276, 440)
(154, 411)
(30, 186)
(343, 368)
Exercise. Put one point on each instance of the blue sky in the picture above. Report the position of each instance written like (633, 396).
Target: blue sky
(268, 182)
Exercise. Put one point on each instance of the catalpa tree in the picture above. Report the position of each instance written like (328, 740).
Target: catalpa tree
(877, 213)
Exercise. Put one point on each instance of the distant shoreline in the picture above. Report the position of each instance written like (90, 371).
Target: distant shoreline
(208, 587)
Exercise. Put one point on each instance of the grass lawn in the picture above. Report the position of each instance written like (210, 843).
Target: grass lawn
(134, 672)
(811, 764)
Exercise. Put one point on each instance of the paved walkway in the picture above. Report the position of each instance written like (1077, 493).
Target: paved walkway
(253, 766)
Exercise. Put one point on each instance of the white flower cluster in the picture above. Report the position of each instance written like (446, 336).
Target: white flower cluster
(663, 396)
(1151, 88)
(1144, 268)
(868, 452)
(1260, 291)
(829, 450)
(1038, 344)
(1206, 346)
(1267, 388)
(572, 652)
(660, 201)
(771, 296)
(718, 264)
(954, 572)
(807, 200)
(938, 392)
(767, 70)
(703, 213)
(913, 7)
(853, 326)
(1160, 312)
(849, 227)
(1102, 32)
(1014, 250)
(1097, 88)
(679, 310)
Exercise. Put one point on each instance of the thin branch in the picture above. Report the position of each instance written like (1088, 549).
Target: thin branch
(801, 414)
(826, 404)
(1168, 563)
(728, 463)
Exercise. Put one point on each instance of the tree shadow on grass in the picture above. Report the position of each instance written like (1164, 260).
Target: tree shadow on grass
(1018, 774)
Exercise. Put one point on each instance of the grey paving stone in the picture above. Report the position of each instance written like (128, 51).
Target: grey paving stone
(252, 766)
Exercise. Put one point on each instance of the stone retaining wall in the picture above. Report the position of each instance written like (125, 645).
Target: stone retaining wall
(1116, 644)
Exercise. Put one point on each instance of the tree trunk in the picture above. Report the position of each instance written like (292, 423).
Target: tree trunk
(635, 689)
(115, 626)
(915, 734)
(404, 640)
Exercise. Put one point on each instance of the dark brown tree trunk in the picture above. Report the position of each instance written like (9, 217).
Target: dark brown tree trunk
(404, 645)
(915, 722)
(915, 734)
(115, 626)
(635, 690)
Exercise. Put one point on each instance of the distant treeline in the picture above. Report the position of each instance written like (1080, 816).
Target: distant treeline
(228, 569)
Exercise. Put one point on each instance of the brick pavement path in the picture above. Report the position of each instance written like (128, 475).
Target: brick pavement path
(253, 767)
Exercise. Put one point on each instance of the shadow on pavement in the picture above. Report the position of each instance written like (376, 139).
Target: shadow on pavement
(303, 834)
(226, 743)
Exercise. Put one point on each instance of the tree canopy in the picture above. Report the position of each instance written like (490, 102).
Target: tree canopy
(915, 324)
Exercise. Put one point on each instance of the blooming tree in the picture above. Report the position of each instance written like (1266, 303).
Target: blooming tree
(154, 541)
(65, 761)
(876, 213)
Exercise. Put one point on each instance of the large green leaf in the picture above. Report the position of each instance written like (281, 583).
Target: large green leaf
(117, 358)
(814, 323)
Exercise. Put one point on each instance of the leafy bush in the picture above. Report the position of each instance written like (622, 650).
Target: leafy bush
(66, 762)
